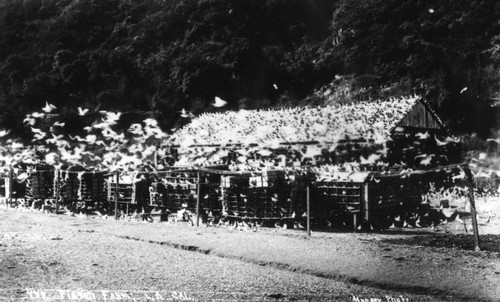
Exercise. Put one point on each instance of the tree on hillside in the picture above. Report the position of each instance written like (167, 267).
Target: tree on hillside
(158, 56)
(435, 49)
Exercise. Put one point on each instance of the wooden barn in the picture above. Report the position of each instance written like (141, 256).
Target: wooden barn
(352, 155)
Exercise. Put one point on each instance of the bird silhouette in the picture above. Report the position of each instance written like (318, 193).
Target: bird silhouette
(38, 115)
(29, 120)
(48, 108)
(112, 117)
(186, 114)
(427, 161)
(219, 102)
(82, 111)
(4, 132)
(422, 136)
(38, 134)
(441, 143)
(55, 139)
(371, 160)
(461, 175)
(59, 124)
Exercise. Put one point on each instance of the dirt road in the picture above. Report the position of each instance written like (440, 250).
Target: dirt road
(49, 257)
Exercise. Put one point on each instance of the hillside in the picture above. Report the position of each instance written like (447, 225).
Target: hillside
(158, 57)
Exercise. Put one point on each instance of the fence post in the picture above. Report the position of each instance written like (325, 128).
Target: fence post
(155, 159)
(11, 186)
(198, 191)
(366, 202)
(117, 188)
(57, 188)
(308, 208)
(470, 183)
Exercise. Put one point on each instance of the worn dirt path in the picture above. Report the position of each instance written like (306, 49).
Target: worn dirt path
(45, 251)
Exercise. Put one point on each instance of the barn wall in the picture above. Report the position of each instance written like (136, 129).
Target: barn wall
(420, 117)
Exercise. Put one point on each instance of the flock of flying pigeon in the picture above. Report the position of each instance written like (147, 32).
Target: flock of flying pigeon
(102, 148)
(242, 140)
(365, 120)
(274, 139)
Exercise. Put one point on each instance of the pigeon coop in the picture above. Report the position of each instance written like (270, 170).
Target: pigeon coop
(338, 202)
(93, 188)
(5, 183)
(131, 190)
(40, 183)
(379, 200)
(13, 188)
(392, 198)
(255, 195)
(179, 188)
(176, 189)
(293, 194)
(69, 185)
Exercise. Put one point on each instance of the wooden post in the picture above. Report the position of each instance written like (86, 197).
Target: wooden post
(470, 183)
(117, 189)
(155, 159)
(367, 203)
(11, 186)
(57, 188)
(308, 209)
(198, 191)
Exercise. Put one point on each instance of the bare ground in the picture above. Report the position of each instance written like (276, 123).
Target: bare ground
(49, 252)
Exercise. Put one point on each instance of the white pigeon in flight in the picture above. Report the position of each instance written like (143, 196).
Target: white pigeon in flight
(29, 120)
(4, 132)
(186, 114)
(82, 111)
(38, 115)
(48, 107)
(219, 102)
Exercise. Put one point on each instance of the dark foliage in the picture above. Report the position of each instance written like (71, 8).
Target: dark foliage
(161, 56)
(433, 48)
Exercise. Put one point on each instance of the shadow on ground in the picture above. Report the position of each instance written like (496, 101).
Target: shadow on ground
(488, 243)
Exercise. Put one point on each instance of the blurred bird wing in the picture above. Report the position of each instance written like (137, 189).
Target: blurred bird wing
(219, 102)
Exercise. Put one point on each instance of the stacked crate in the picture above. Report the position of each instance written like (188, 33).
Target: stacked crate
(156, 194)
(4, 183)
(93, 187)
(276, 203)
(40, 184)
(294, 191)
(337, 201)
(18, 188)
(392, 196)
(180, 189)
(140, 193)
(210, 196)
(253, 196)
(70, 186)
(229, 193)
(125, 189)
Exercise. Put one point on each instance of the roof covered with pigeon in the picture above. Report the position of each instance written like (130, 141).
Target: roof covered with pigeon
(370, 120)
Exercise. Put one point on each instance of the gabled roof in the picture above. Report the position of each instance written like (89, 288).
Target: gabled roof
(361, 120)
(422, 116)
